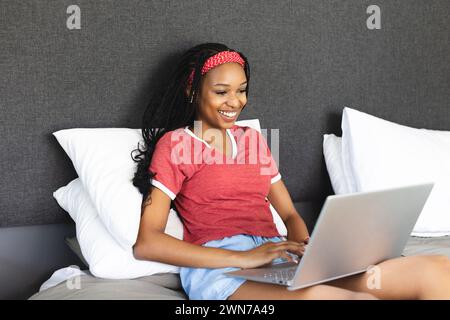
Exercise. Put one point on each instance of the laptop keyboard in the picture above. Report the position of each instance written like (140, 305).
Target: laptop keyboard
(280, 276)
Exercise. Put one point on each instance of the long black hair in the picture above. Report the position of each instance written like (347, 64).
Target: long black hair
(173, 109)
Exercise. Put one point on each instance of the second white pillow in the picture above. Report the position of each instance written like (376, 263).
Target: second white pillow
(332, 151)
(380, 154)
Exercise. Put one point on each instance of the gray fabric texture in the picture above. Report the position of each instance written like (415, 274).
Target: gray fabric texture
(427, 246)
(165, 286)
(308, 59)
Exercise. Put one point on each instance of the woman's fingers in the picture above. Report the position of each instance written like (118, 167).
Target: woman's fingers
(288, 252)
(288, 245)
(292, 244)
(293, 247)
(298, 250)
(280, 243)
(285, 249)
(285, 255)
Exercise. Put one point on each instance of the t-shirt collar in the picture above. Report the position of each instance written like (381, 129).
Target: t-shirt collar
(233, 141)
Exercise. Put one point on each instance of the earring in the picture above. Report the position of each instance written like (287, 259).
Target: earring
(192, 98)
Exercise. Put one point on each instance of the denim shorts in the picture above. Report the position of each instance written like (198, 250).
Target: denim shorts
(212, 284)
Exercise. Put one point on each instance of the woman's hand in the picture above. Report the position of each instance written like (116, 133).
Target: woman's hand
(265, 253)
(304, 245)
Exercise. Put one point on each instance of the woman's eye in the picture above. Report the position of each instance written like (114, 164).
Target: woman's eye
(224, 92)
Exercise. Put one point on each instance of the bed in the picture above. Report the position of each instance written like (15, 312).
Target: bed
(168, 286)
(155, 287)
(94, 65)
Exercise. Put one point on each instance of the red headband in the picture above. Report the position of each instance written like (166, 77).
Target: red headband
(218, 59)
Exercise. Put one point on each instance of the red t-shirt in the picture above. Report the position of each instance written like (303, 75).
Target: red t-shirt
(216, 195)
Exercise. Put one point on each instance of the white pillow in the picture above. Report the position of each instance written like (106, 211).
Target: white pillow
(102, 160)
(381, 154)
(101, 157)
(332, 152)
(106, 258)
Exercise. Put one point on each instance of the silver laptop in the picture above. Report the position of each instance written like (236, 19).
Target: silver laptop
(353, 232)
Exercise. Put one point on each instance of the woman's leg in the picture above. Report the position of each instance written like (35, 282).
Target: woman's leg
(412, 277)
(252, 290)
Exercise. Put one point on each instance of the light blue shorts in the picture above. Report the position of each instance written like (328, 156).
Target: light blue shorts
(212, 284)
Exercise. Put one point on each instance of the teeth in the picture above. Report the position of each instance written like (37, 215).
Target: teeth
(228, 114)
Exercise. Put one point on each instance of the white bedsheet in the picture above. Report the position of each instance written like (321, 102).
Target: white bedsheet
(62, 275)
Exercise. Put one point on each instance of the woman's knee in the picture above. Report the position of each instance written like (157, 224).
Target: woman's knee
(435, 276)
(434, 269)
(437, 263)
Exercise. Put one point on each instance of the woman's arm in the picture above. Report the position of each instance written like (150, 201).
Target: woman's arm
(153, 244)
(164, 248)
(281, 200)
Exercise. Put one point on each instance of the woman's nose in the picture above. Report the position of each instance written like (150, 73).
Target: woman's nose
(234, 102)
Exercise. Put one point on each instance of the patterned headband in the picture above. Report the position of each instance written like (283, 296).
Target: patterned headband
(218, 59)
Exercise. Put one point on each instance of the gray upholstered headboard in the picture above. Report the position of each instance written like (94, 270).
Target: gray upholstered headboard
(308, 59)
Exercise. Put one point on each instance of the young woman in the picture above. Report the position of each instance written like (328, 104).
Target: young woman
(201, 163)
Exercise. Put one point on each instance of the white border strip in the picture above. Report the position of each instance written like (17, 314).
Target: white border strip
(163, 188)
(233, 141)
(276, 178)
(233, 144)
(189, 132)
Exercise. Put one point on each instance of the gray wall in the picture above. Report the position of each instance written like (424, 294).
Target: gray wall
(308, 59)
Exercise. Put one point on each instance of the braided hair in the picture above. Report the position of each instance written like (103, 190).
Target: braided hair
(173, 109)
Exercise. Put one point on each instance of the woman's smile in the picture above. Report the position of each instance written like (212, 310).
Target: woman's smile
(222, 96)
(228, 116)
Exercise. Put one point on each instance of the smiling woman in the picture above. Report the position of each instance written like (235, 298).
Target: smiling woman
(222, 97)
(224, 207)
(211, 83)
(223, 90)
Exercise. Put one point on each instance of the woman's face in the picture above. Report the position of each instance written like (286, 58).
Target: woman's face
(222, 96)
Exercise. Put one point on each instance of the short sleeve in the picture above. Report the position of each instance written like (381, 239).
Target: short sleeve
(169, 173)
(268, 164)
